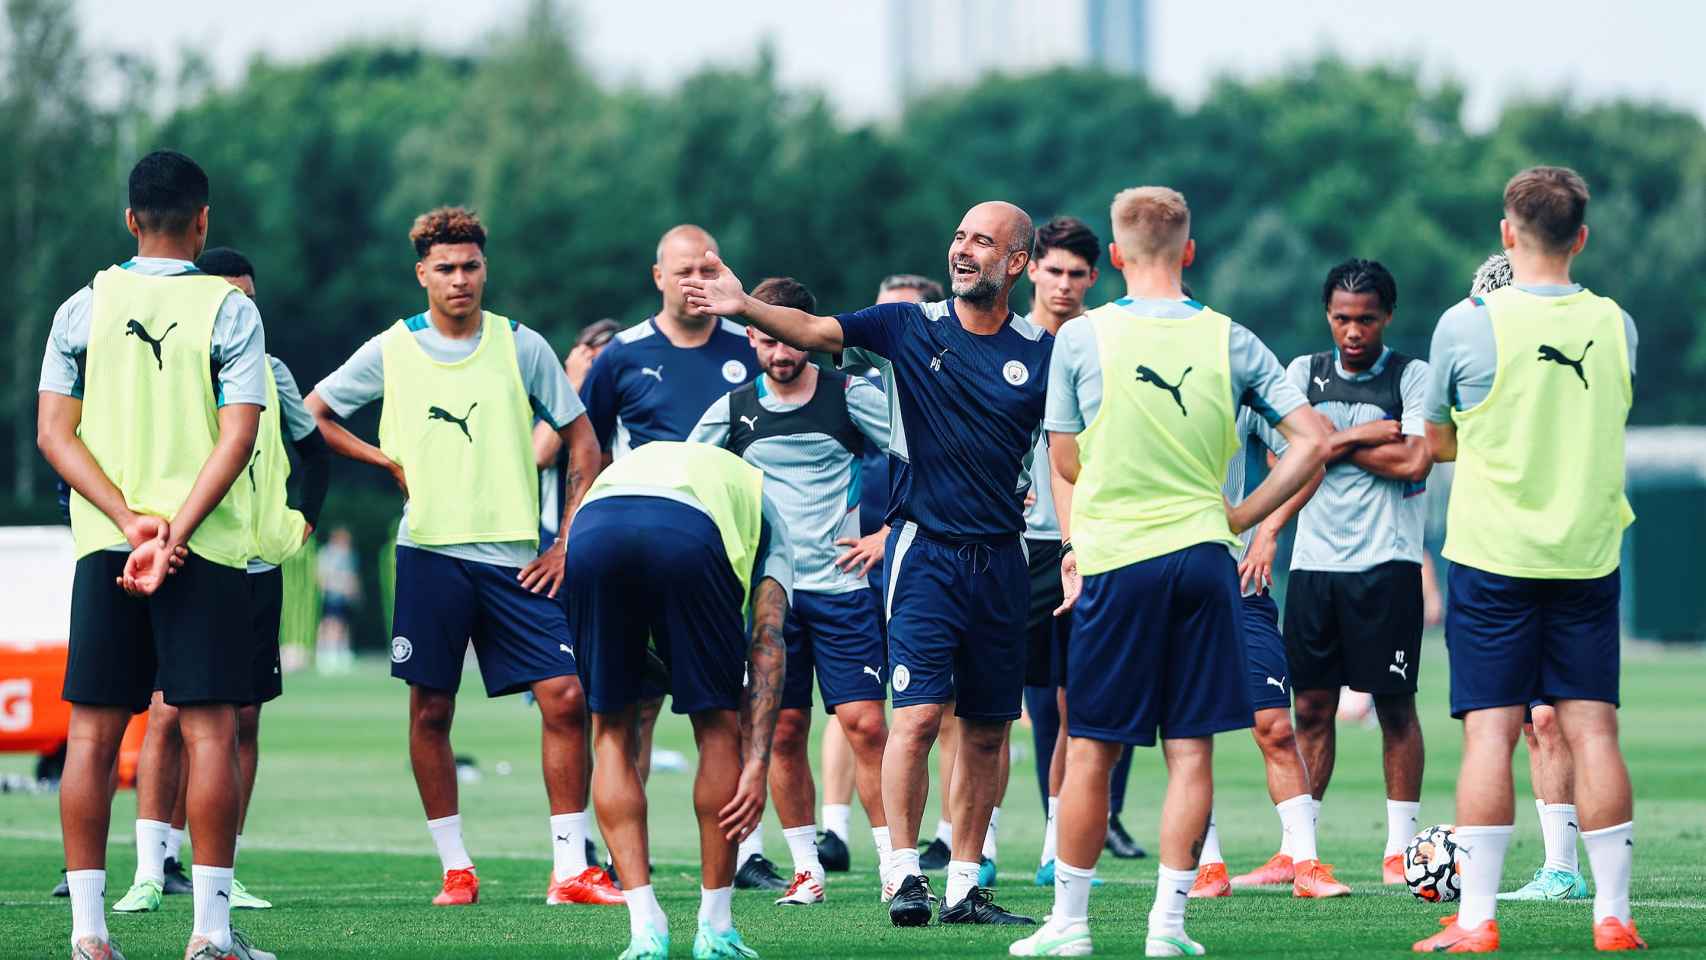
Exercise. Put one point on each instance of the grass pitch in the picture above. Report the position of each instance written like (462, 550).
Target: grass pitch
(336, 840)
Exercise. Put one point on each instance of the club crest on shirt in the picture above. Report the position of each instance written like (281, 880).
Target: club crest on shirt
(401, 649)
(734, 371)
(1015, 373)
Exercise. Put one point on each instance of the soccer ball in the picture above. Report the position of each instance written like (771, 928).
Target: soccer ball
(1430, 865)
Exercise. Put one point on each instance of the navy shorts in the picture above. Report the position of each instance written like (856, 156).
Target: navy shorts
(957, 623)
(444, 602)
(1158, 644)
(837, 635)
(1514, 640)
(649, 570)
(1264, 648)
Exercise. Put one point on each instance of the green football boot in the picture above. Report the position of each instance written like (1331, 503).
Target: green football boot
(142, 897)
(1550, 884)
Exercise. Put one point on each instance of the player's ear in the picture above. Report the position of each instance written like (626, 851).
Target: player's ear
(420, 272)
(1507, 234)
(1190, 254)
(1115, 259)
(1581, 240)
(657, 276)
(131, 224)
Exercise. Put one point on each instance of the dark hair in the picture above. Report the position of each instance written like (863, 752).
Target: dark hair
(1070, 234)
(224, 262)
(786, 292)
(167, 190)
(927, 288)
(1357, 275)
(446, 225)
(598, 333)
(1550, 203)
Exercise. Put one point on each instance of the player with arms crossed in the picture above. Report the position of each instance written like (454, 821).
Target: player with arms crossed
(1353, 612)
(966, 377)
(1142, 401)
(1535, 531)
(287, 500)
(697, 519)
(152, 447)
(807, 429)
(460, 388)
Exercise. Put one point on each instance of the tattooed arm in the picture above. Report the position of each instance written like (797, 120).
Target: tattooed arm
(767, 665)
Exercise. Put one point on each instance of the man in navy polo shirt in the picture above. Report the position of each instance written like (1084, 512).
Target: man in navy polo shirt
(966, 384)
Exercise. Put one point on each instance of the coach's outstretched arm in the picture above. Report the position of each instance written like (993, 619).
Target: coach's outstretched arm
(1306, 433)
(767, 660)
(724, 296)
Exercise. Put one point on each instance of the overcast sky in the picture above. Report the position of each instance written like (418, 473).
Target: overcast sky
(1647, 49)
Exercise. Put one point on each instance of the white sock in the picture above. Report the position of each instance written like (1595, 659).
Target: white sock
(88, 903)
(962, 876)
(989, 834)
(568, 845)
(644, 912)
(447, 837)
(714, 909)
(885, 850)
(838, 819)
(945, 832)
(753, 844)
(1401, 824)
(1611, 852)
(1558, 826)
(1210, 844)
(1051, 831)
(151, 850)
(802, 845)
(1481, 856)
(1172, 887)
(1297, 819)
(1072, 892)
(903, 863)
(212, 903)
(174, 844)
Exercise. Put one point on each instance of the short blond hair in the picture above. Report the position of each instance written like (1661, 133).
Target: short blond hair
(1151, 221)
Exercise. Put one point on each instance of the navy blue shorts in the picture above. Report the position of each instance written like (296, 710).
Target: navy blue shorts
(957, 623)
(444, 603)
(1515, 640)
(1158, 644)
(837, 635)
(646, 569)
(1264, 648)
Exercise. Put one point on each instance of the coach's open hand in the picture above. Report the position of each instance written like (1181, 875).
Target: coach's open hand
(721, 296)
(863, 553)
(545, 574)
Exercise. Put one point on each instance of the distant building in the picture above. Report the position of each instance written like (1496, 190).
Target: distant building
(948, 43)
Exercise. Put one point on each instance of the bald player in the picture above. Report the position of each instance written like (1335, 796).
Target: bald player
(966, 382)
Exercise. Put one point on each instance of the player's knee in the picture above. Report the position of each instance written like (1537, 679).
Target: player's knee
(864, 728)
(1274, 734)
(432, 714)
(1396, 713)
(983, 737)
(1544, 725)
(564, 708)
(248, 724)
(793, 729)
(1315, 710)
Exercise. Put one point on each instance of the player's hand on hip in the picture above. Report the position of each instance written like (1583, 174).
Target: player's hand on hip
(401, 480)
(1256, 570)
(863, 553)
(545, 573)
(720, 293)
(740, 816)
(1070, 583)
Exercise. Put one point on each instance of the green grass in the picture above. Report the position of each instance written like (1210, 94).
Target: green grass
(336, 840)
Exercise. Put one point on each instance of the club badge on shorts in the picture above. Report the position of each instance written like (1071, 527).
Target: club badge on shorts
(401, 649)
(1015, 373)
(902, 678)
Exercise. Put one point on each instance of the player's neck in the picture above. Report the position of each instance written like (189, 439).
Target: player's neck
(1533, 269)
(163, 247)
(454, 328)
(1152, 281)
(1375, 352)
(798, 390)
(983, 319)
(1048, 319)
(692, 331)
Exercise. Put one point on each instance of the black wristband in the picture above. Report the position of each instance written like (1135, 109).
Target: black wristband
(1065, 547)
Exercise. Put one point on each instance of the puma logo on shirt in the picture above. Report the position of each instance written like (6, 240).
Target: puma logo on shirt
(655, 373)
(135, 329)
(439, 413)
(1554, 355)
(1146, 375)
(751, 422)
(1321, 382)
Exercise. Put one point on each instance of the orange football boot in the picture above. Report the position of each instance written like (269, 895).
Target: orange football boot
(1278, 871)
(1392, 869)
(1315, 880)
(1211, 882)
(1613, 934)
(591, 886)
(461, 888)
(1455, 939)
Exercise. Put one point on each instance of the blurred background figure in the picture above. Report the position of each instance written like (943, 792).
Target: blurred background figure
(340, 590)
(547, 446)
